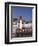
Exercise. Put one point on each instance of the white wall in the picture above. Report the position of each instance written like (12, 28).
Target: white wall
(2, 24)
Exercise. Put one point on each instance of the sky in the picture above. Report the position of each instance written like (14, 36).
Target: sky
(25, 12)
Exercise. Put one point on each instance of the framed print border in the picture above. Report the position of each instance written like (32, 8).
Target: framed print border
(7, 22)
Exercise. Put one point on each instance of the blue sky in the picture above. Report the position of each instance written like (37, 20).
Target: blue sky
(25, 12)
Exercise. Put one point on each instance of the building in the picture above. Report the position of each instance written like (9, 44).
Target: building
(20, 26)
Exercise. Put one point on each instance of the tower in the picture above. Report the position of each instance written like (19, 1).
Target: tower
(20, 22)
